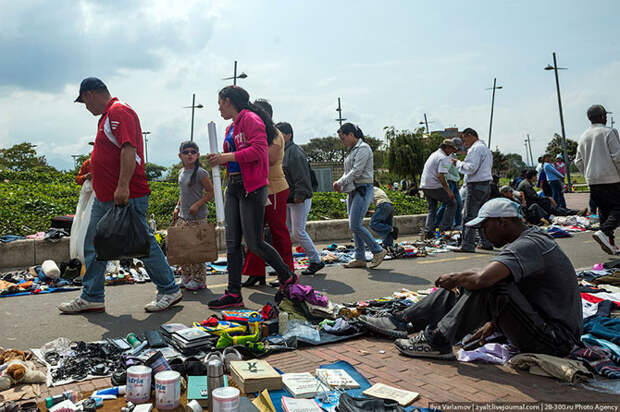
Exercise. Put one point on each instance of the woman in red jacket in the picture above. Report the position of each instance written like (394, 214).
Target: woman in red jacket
(246, 145)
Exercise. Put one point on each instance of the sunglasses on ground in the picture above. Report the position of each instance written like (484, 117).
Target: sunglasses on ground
(186, 152)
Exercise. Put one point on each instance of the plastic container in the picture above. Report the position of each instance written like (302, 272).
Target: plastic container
(282, 323)
(167, 390)
(226, 399)
(138, 384)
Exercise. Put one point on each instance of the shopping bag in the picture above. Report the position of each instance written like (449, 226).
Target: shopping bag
(120, 234)
(191, 244)
(81, 221)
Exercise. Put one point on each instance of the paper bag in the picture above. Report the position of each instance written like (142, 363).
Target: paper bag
(191, 244)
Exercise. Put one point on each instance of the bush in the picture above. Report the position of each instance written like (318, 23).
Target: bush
(28, 200)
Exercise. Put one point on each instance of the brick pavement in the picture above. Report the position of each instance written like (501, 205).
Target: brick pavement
(435, 380)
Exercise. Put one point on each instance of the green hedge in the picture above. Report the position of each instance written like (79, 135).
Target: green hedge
(28, 200)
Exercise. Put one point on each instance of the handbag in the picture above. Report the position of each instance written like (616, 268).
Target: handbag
(191, 244)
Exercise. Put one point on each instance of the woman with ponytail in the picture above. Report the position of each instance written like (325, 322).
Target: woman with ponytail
(247, 162)
(357, 182)
(195, 190)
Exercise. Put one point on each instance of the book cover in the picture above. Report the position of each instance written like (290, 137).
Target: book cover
(300, 405)
(303, 385)
(170, 328)
(255, 375)
(380, 390)
(191, 334)
(337, 378)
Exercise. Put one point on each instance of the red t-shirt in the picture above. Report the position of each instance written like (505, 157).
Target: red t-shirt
(119, 124)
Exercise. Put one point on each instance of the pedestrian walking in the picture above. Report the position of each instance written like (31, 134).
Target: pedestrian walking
(555, 179)
(118, 177)
(356, 182)
(246, 194)
(598, 158)
(382, 219)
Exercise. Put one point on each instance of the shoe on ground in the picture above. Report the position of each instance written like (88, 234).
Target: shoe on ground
(355, 264)
(227, 300)
(394, 232)
(385, 325)
(312, 268)
(377, 258)
(418, 346)
(483, 247)
(79, 305)
(603, 240)
(459, 249)
(163, 302)
(195, 285)
(181, 283)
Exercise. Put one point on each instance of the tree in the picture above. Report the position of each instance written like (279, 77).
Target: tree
(325, 149)
(153, 171)
(556, 147)
(407, 151)
(22, 157)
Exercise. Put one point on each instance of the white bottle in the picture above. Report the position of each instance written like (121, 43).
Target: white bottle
(152, 224)
(282, 323)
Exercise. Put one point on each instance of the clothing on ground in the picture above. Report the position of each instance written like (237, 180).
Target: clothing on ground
(567, 370)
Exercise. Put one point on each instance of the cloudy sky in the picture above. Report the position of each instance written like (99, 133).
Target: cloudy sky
(389, 61)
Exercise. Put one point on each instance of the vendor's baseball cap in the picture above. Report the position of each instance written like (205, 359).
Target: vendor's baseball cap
(89, 83)
(449, 142)
(505, 189)
(596, 110)
(459, 144)
(498, 207)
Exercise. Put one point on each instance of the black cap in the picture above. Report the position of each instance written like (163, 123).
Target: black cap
(89, 83)
(596, 111)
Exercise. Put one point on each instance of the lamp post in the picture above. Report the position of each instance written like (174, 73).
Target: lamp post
(612, 122)
(527, 157)
(146, 148)
(193, 106)
(234, 78)
(339, 110)
(426, 122)
(555, 68)
(495, 87)
(529, 144)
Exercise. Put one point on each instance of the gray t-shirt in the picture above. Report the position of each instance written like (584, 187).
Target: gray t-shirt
(546, 277)
(191, 194)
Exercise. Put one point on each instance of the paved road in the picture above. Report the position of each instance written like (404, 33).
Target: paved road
(31, 321)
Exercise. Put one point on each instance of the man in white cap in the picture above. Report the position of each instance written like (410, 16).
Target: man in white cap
(598, 158)
(512, 294)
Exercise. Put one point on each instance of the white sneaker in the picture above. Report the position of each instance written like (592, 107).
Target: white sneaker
(377, 258)
(603, 240)
(194, 285)
(137, 277)
(79, 305)
(163, 302)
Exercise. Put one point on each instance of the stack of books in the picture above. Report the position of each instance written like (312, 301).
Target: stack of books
(190, 338)
(254, 375)
(169, 328)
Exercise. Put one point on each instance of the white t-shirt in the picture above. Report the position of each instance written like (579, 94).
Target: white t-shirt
(438, 162)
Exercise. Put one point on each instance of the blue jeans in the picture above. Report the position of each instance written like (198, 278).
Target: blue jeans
(477, 195)
(155, 264)
(296, 217)
(357, 207)
(381, 222)
(557, 192)
(458, 215)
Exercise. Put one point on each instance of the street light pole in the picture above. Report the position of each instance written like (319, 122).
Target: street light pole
(495, 87)
(529, 144)
(555, 68)
(235, 77)
(612, 122)
(193, 106)
(428, 131)
(339, 110)
(527, 157)
(146, 148)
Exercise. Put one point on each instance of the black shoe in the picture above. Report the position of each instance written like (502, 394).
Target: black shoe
(253, 280)
(312, 268)
(483, 247)
(418, 346)
(386, 325)
(394, 232)
(227, 300)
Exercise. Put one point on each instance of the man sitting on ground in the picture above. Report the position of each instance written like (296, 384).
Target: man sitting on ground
(528, 292)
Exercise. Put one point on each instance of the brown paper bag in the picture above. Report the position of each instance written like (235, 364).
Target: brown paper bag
(191, 244)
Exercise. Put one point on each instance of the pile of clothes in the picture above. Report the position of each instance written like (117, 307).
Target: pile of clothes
(46, 278)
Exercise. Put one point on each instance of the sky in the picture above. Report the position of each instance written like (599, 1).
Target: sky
(390, 62)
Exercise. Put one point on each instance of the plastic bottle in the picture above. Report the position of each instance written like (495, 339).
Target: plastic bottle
(133, 340)
(437, 233)
(282, 323)
(152, 224)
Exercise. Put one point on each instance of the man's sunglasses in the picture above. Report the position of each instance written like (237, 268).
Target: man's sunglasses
(186, 152)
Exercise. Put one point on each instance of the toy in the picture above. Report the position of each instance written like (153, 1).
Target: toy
(221, 327)
(18, 372)
(226, 340)
(11, 354)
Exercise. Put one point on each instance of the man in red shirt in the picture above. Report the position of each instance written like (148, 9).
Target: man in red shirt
(117, 165)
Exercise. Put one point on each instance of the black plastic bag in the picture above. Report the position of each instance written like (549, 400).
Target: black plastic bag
(348, 403)
(121, 235)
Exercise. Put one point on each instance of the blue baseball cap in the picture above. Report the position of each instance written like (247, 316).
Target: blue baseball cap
(89, 83)
(498, 207)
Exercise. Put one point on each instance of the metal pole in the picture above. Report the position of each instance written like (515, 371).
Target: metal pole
(529, 143)
(566, 159)
(235, 74)
(146, 147)
(191, 136)
(527, 157)
(339, 112)
(492, 104)
(428, 131)
(612, 122)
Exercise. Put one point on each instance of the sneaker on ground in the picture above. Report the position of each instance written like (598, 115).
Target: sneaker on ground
(79, 305)
(603, 240)
(385, 325)
(312, 268)
(377, 258)
(418, 346)
(355, 264)
(163, 302)
(227, 300)
(195, 285)
(181, 283)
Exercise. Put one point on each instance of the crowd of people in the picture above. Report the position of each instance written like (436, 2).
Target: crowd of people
(270, 183)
